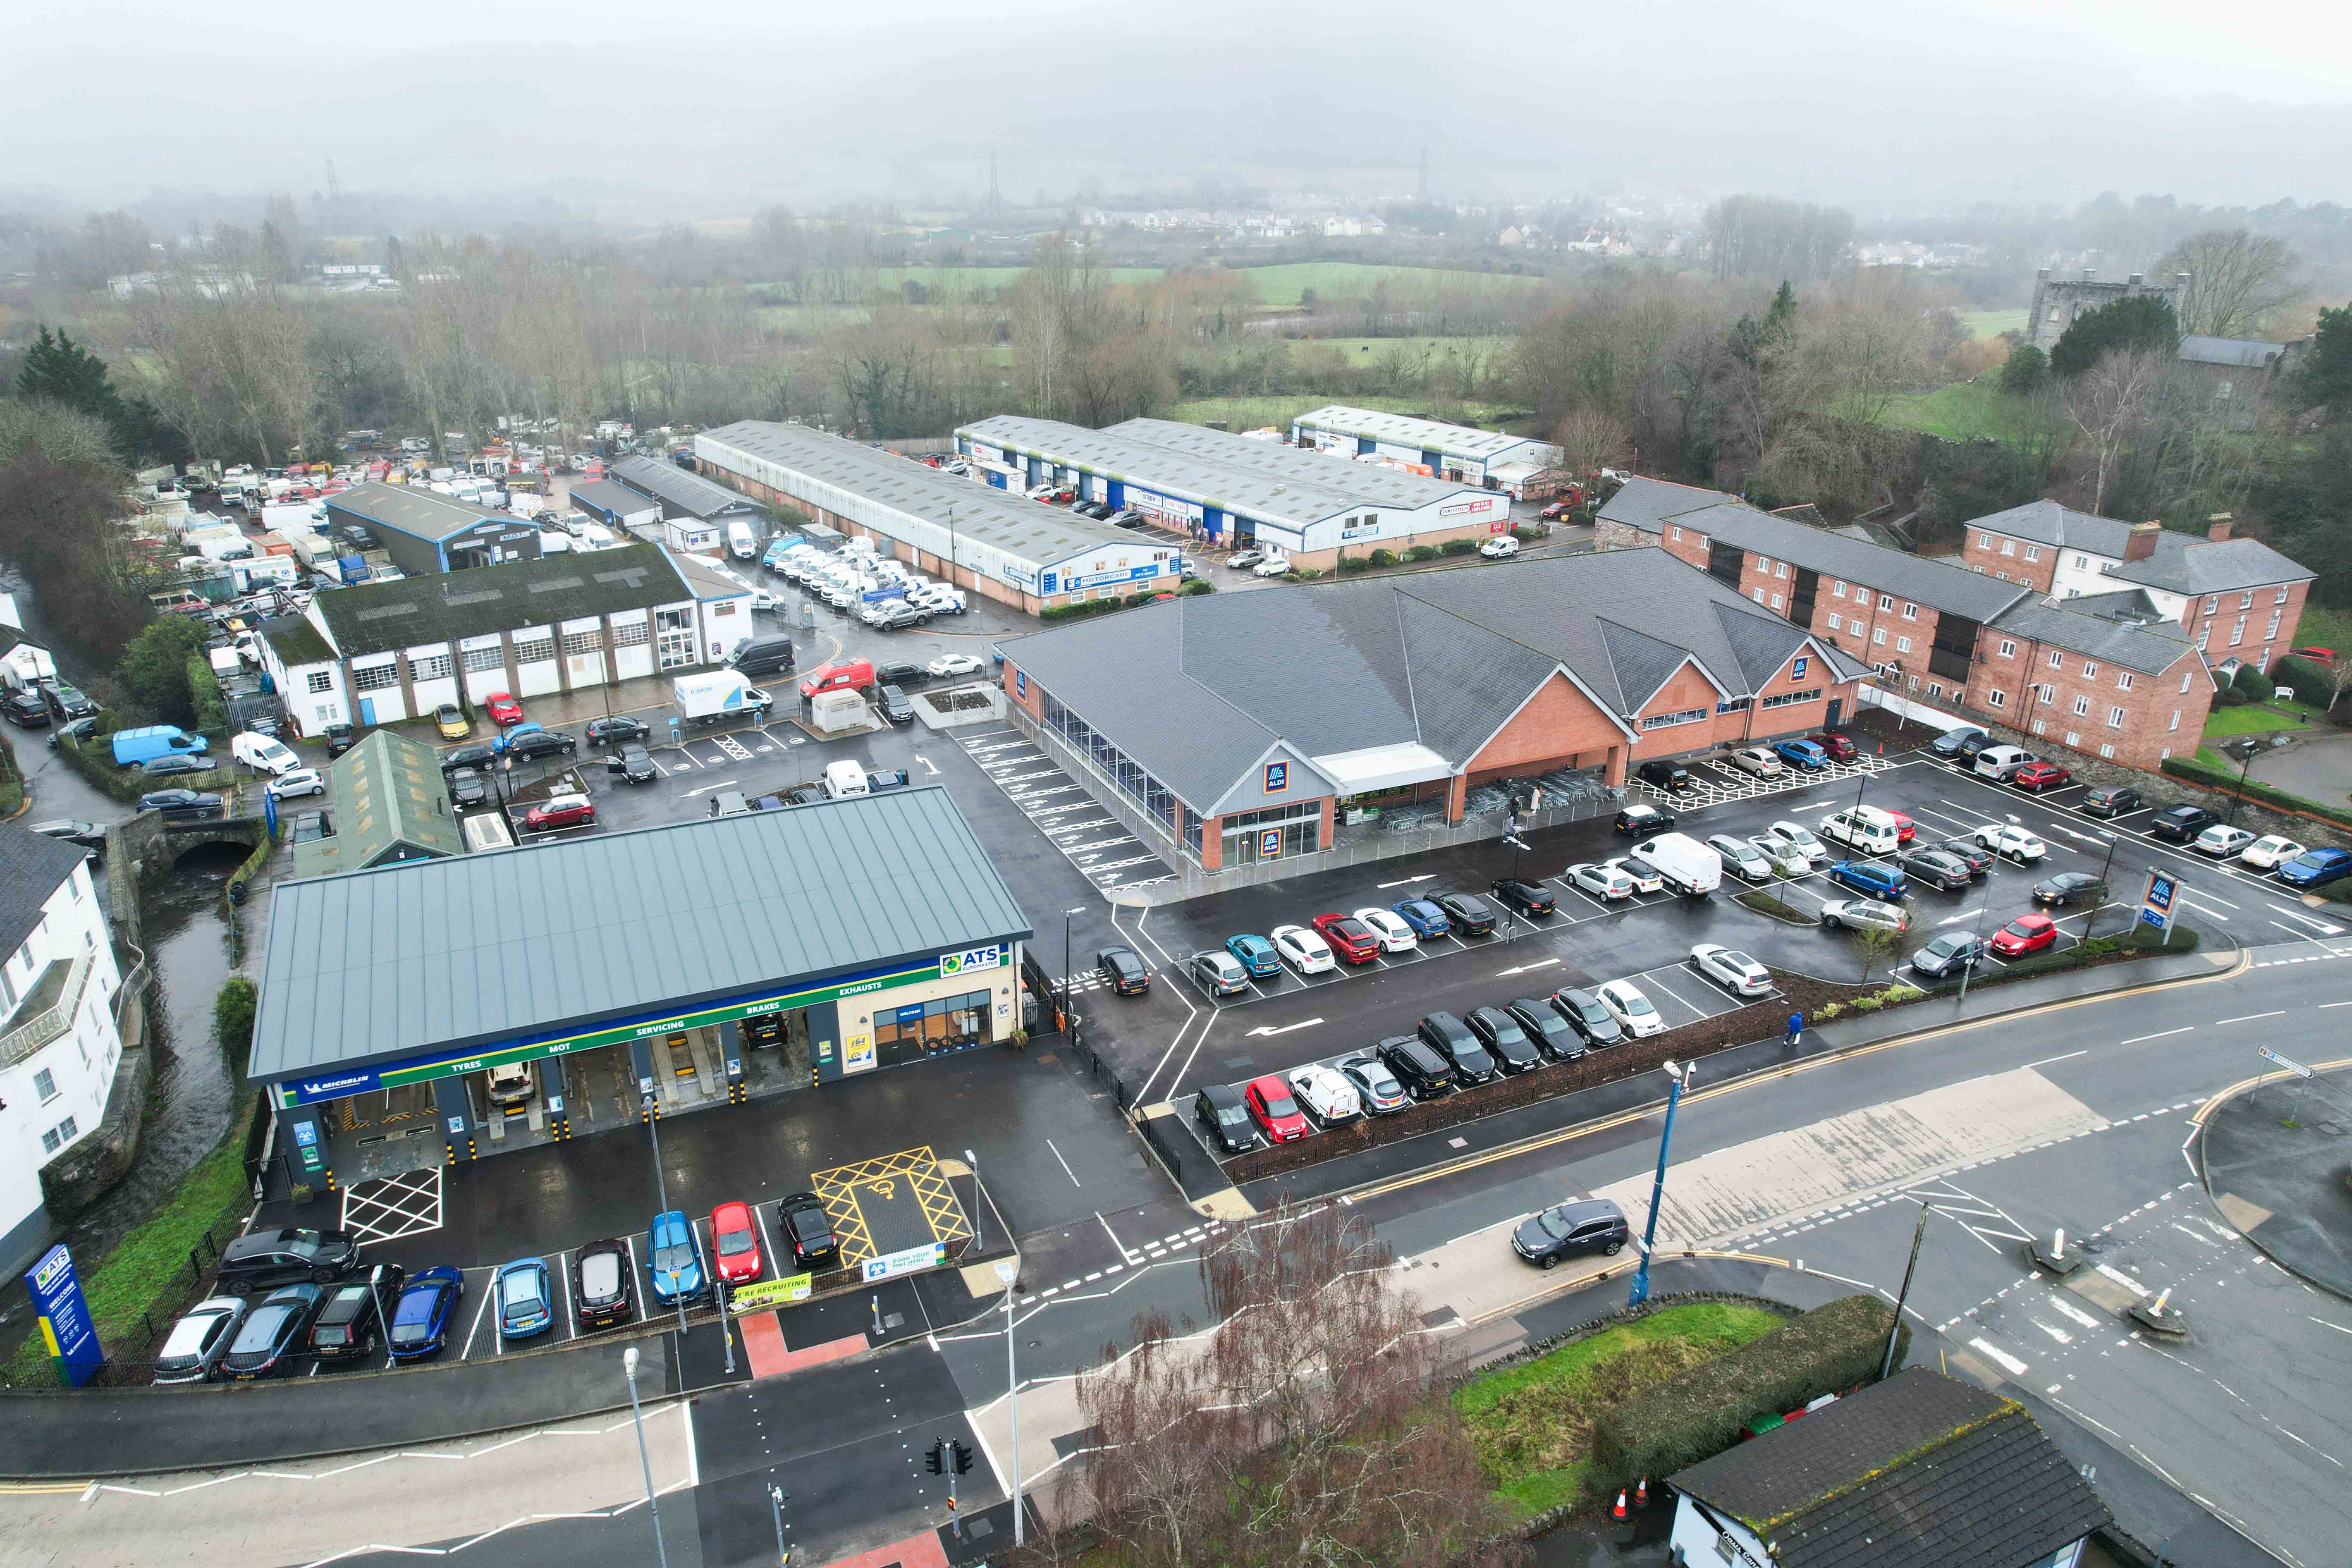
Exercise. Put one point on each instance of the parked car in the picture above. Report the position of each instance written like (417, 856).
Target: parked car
(2069, 887)
(1530, 899)
(808, 1229)
(1304, 951)
(192, 1352)
(1605, 882)
(900, 672)
(2026, 933)
(339, 737)
(268, 1339)
(1243, 560)
(1256, 954)
(894, 706)
(473, 756)
(734, 1243)
(1739, 858)
(1502, 547)
(422, 1316)
(1939, 869)
(2181, 824)
(1451, 1038)
(2119, 800)
(1948, 954)
(1278, 1115)
(78, 731)
(1327, 1097)
(25, 710)
(2313, 866)
(1551, 1238)
(1865, 914)
(451, 721)
(2266, 853)
(1960, 744)
(2011, 841)
(468, 786)
(162, 766)
(541, 743)
(1644, 876)
(954, 664)
(503, 708)
(1377, 1089)
(1757, 761)
(1632, 1010)
(350, 1321)
(1219, 1109)
(1641, 820)
(1272, 566)
(615, 731)
(1731, 969)
(1589, 1017)
(1394, 935)
(1975, 856)
(633, 764)
(526, 1303)
(1219, 973)
(297, 783)
(1839, 747)
(1464, 912)
(1504, 1039)
(1425, 1073)
(603, 1287)
(1348, 937)
(1660, 773)
(1806, 754)
(1425, 916)
(1904, 829)
(2222, 841)
(1784, 857)
(1123, 970)
(558, 810)
(2038, 775)
(2000, 764)
(1546, 1030)
(673, 1260)
(264, 1260)
(90, 836)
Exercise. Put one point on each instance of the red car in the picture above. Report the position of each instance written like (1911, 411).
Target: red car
(503, 708)
(1271, 1106)
(735, 1242)
(2041, 776)
(1904, 829)
(1350, 938)
(1840, 748)
(2026, 933)
(562, 811)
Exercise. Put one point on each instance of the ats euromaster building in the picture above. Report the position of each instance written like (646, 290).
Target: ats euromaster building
(670, 968)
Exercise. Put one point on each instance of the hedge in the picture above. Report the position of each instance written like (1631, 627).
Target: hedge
(96, 765)
(1421, 552)
(204, 695)
(1458, 547)
(1384, 557)
(1699, 1413)
(2227, 779)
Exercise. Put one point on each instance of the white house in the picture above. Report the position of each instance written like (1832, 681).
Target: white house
(58, 1039)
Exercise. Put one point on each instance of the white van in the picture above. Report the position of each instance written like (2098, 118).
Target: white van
(741, 542)
(844, 779)
(1865, 828)
(262, 753)
(2000, 763)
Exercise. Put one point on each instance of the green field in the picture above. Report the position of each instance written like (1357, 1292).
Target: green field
(1992, 323)
(2260, 719)
(1960, 412)
(1282, 286)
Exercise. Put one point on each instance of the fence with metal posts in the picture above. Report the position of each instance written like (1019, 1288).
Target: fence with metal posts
(1164, 1144)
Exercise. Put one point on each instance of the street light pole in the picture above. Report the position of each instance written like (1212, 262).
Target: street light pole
(653, 1504)
(2105, 886)
(972, 1161)
(2248, 751)
(776, 1496)
(652, 1130)
(1677, 1077)
(1968, 969)
(1070, 979)
(1886, 1367)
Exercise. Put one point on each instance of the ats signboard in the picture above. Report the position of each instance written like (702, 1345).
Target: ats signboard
(66, 1328)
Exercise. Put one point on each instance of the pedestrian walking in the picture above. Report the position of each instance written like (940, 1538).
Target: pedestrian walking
(1796, 1030)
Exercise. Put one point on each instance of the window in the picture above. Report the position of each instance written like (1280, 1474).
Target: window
(2039, 726)
(1935, 689)
(1984, 541)
(2033, 552)
(481, 660)
(1737, 705)
(2237, 632)
(2108, 750)
(577, 644)
(1678, 532)
(1776, 601)
(1885, 600)
(1836, 624)
(432, 667)
(1879, 637)
(2116, 718)
(1910, 612)
(2073, 737)
(2247, 602)
(2281, 597)
(2082, 705)
(1996, 699)
(45, 1084)
(2123, 681)
(1837, 590)
(633, 634)
(1790, 698)
(2002, 575)
(2163, 753)
(2057, 659)
(1758, 594)
(2186, 676)
(1902, 644)
(319, 682)
(2176, 719)
(1665, 720)
(58, 1137)
(2204, 635)
(2272, 630)
(2090, 668)
(2009, 547)
(535, 647)
(1780, 569)
(2007, 648)
(2081, 563)
(375, 676)
(2213, 602)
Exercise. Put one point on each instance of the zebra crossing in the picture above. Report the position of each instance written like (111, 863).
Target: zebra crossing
(1084, 831)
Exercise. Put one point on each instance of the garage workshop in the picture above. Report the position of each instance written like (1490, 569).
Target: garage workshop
(445, 1009)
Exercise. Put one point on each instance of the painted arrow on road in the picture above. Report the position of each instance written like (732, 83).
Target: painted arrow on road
(1522, 969)
(1406, 883)
(1265, 1029)
(927, 763)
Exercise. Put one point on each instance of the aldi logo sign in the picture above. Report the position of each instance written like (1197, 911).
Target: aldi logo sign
(970, 959)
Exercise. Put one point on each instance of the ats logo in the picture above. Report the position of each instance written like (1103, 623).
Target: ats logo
(971, 958)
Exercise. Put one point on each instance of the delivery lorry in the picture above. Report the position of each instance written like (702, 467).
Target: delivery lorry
(1684, 864)
(717, 696)
(133, 747)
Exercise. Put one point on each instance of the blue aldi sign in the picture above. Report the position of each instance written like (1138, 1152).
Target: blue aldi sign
(66, 1328)
(2155, 903)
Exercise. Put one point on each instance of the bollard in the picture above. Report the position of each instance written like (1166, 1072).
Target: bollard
(2162, 1297)
(2058, 1248)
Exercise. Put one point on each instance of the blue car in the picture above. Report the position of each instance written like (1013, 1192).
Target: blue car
(501, 741)
(1255, 954)
(525, 1307)
(420, 1324)
(673, 1260)
(1425, 918)
(1871, 879)
(2316, 865)
(1800, 753)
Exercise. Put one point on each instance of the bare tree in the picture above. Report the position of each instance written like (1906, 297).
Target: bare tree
(1592, 438)
(2236, 280)
(2107, 404)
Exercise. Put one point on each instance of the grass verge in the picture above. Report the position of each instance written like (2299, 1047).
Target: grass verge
(1960, 412)
(1533, 1422)
(2261, 719)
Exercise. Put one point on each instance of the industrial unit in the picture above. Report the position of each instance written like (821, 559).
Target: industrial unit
(684, 493)
(1006, 547)
(1234, 489)
(443, 1009)
(424, 531)
(1456, 452)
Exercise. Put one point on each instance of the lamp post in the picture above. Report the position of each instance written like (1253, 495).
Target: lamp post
(1069, 996)
(973, 1159)
(1969, 969)
(776, 1498)
(1677, 1078)
(2247, 751)
(1919, 1232)
(2105, 886)
(1009, 1269)
(653, 1504)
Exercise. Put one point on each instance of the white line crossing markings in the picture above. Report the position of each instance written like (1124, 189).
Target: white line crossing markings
(2015, 1367)
(733, 747)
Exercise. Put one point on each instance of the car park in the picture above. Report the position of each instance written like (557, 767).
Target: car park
(1806, 754)
(1569, 1230)
(451, 721)
(1939, 870)
(2119, 800)
(734, 1243)
(558, 812)
(468, 786)
(1502, 547)
(1504, 1039)
(1633, 1010)
(2181, 824)
(2222, 841)
(1948, 953)
(2069, 887)
(615, 731)
(2266, 853)
(264, 1260)
(1546, 1030)
(1961, 745)
(350, 1321)
(1270, 1105)
(1600, 881)
(1784, 857)
(1329, 1098)
(1757, 761)
(1272, 566)
(1425, 918)
(539, 744)
(1123, 970)
(633, 764)
(955, 664)
(1451, 1038)
(2026, 933)
(1348, 937)
(1377, 1089)
(1801, 838)
(266, 1340)
(1256, 954)
(1968, 852)
(473, 756)
(673, 1260)
(1840, 748)
(525, 1304)
(1739, 858)
(2315, 867)
(2038, 775)
(893, 705)
(1865, 914)
(1640, 819)
(297, 783)
(1219, 973)
(1659, 773)
(1218, 1107)
(164, 766)
(808, 1230)
(1530, 899)
(2010, 842)
(1394, 935)
(421, 1317)
(1731, 969)
(1303, 950)
(603, 1290)
(192, 1352)
(1589, 1017)
(1466, 913)
(503, 708)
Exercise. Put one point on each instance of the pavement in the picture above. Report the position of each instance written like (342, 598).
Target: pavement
(2318, 766)
(2274, 1157)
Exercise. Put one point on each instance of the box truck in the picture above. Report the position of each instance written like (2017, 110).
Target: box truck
(718, 696)
(1684, 864)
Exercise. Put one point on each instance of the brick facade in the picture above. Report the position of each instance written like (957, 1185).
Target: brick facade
(1559, 727)
(2011, 560)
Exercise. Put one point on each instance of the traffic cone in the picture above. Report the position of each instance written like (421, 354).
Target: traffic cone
(1619, 1511)
(1642, 1493)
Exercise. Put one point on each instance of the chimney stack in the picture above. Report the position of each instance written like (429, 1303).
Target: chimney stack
(2140, 543)
(2217, 527)
(2090, 274)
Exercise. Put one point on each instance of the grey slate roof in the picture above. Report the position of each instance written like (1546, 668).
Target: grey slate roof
(1918, 578)
(411, 510)
(374, 617)
(2150, 650)
(32, 866)
(683, 493)
(1921, 1468)
(2246, 352)
(370, 966)
(613, 500)
(1645, 503)
(1371, 484)
(2181, 563)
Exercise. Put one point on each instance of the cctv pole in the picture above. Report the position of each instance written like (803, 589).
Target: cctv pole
(653, 1503)
(1676, 1076)
(1886, 1367)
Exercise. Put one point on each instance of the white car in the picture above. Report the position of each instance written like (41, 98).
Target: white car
(948, 664)
(1328, 1098)
(2271, 852)
(1782, 856)
(1304, 951)
(1272, 566)
(1601, 881)
(1502, 547)
(763, 600)
(1758, 761)
(298, 782)
(1394, 935)
(2222, 841)
(2006, 838)
(1800, 838)
(1734, 971)
(1631, 1008)
(1644, 876)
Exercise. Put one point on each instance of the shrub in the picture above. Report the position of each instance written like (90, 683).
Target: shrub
(233, 1011)
(1421, 552)
(2229, 696)
(2027, 368)
(1384, 557)
(1306, 573)
(1349, 564)
(1829, 1010)
(156, 666)
(205, 697)
(2251, 684)
(1867, 1004)
(1197, 585)
(2311, 683)
(1458, 547)
(1703, 1411)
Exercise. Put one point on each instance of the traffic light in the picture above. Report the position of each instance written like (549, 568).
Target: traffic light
(963, 1456)
(936, 1460)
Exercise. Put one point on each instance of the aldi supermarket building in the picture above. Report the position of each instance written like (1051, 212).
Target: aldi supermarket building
(628, 975)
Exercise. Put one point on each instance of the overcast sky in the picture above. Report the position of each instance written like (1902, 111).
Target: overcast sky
(1889, 107)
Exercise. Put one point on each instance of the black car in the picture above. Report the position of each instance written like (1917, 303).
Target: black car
(25, 710)
(2116, 801)
(1451, 1038)
(356, 1312)
(614, 732)
(894, 705)
(1565, 1230)
(1530, 899)
(2069, 887)
(1548, 1031)
(340, 737)
(468, 786)
(473, 756)
(1218, 1107)
(1467, 913)
(633, 764)
(1662, 775)
(267, 1339)
(1969, 853)
(1582, 1012)
(808, 1230)
(1123, 518)
(1424, 1074)
(879, 779)
(900, 616)
(358, 539)
(1505, 1040)
(2181, 823)
(1961, 745)
(804, 794)
(541, 743)
(1937, 869)
(66, 702)
(1640, 820)
(78, 732)
(88, 835)
(602, 1286)
(264, 1259)
(182, 804)
(900, 672)
(1122, 968)
(175, 762)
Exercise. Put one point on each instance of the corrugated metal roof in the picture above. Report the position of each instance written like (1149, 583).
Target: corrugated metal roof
(1429, 435)
(2246, 354)
(681, 490)
(613, 500)
(371, 617)
(412, 510)
(371, 966)
(1371, 484)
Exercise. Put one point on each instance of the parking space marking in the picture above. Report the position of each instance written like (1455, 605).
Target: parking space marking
(639, 1276)
(1657, 978)
(489, 1292)
(563, 1277)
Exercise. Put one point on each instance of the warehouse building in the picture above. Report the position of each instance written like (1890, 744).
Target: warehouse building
(391, 805)
(685, 494)
(627, 513)
(785, 947)
(1455, 452)
(425, 531)
(1242, 728)
(1006, 547)
(1235, 491)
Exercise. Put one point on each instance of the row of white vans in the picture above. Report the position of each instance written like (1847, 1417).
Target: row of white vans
(847, 577)
(1694, 870)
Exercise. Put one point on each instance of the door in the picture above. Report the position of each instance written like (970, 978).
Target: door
(1836, 709)
(367, 710)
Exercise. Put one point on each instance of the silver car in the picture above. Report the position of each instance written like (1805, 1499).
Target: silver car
(1800, 838)
(197, 1342)
(1219, 973)
(1731, 969)
(1865, 914)
(1740, 858)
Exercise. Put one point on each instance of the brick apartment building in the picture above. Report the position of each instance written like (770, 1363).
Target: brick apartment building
(2113, 674)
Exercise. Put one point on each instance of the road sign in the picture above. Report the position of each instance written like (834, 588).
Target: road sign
(2296, 1067)
(2157, 901)
(913, 1261)
(66, 1328)
(770, 1293)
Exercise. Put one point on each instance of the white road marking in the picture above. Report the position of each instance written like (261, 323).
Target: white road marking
(2016, 1368)
(2166, 1035)
(2068, 1309)
(2126, 1281)
(2250, 1017)
(1065, 1169)
(722, 783)
(1269, 1029)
